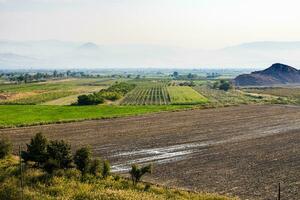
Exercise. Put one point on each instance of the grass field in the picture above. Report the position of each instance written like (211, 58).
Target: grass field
(183, 95)
(39, 93)
(21, 115)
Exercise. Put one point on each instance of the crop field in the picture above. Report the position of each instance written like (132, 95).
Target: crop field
(180, 95)
(148, 94)
(235, 97)
(292, 93)
(41, 93)
(234, 154)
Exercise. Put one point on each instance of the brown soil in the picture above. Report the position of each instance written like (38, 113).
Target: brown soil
(244, 151)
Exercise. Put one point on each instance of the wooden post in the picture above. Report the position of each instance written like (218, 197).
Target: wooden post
(279, 191)
(21, 174)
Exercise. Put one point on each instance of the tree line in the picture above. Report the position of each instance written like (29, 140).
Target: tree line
(52, 155)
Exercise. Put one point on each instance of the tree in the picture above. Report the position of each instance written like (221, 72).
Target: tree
(175, 74)
(90, 99)
(36, 150)
(222, 85)
(60, 151)
(137, 172)
(106, 169)
(82, 159)
(5, 148)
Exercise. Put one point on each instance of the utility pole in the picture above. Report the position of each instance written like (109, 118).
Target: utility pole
(21, 174)
(279, 191)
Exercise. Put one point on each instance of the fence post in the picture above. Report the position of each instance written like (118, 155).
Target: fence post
(279, 191)
(21, 174)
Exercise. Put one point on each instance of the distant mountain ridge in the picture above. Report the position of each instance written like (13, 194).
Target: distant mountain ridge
(62, 54)
(276, 74)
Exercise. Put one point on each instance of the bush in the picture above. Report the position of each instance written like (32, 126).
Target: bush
(90, 99)
(95, 167)
(113, 96)
(36, 150)
(106, 169)
(137, 172)
(50, 166)
(82, 159)
(222, 85)
(5, 148)
(60, 151)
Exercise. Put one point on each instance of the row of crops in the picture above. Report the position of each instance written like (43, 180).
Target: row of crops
(150, 94)
(162, 94)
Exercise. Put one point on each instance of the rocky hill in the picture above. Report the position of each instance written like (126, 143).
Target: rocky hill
(274, 75)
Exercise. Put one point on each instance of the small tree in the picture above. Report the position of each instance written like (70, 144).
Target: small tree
(82, 159)
(36, 150)
(5, 148)
(95, 167)
(106, 169)
(60, 151)
(137, 172)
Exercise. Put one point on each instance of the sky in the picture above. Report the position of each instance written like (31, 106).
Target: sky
(201, 24)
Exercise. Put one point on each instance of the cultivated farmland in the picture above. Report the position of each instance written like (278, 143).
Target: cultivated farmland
(226, 150)
(181, 95)
(148, 94)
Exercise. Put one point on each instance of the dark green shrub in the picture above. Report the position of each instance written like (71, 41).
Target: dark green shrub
(50, 166)
(106, 169)
(60, 151)
(5, 148)
(113, 96)
(147, 187)
(222, 85)
(90, 99)
(137, 172)
(95, 167)
(36, 150)
(82, 159)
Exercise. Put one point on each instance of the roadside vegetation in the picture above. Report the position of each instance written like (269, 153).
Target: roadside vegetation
(48, 170)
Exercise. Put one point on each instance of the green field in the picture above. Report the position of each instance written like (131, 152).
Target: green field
(184, 95)
(22, 115)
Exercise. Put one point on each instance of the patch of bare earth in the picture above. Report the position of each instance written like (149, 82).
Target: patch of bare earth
(243, 151)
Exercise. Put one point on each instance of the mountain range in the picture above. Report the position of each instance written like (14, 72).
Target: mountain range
(277, 74)
(62, 54)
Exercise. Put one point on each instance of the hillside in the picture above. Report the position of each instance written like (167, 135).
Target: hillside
(274, 75)
(69, 184)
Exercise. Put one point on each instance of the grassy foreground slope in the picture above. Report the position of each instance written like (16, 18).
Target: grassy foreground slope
(68, 184)
(22, 115)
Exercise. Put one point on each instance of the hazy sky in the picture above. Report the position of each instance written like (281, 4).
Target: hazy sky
(205, 24)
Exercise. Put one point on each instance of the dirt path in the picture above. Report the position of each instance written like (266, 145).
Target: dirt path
(242, 151)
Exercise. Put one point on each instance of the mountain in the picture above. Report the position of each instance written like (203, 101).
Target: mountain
(89, 46)
(61, 54)
(274, 75)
